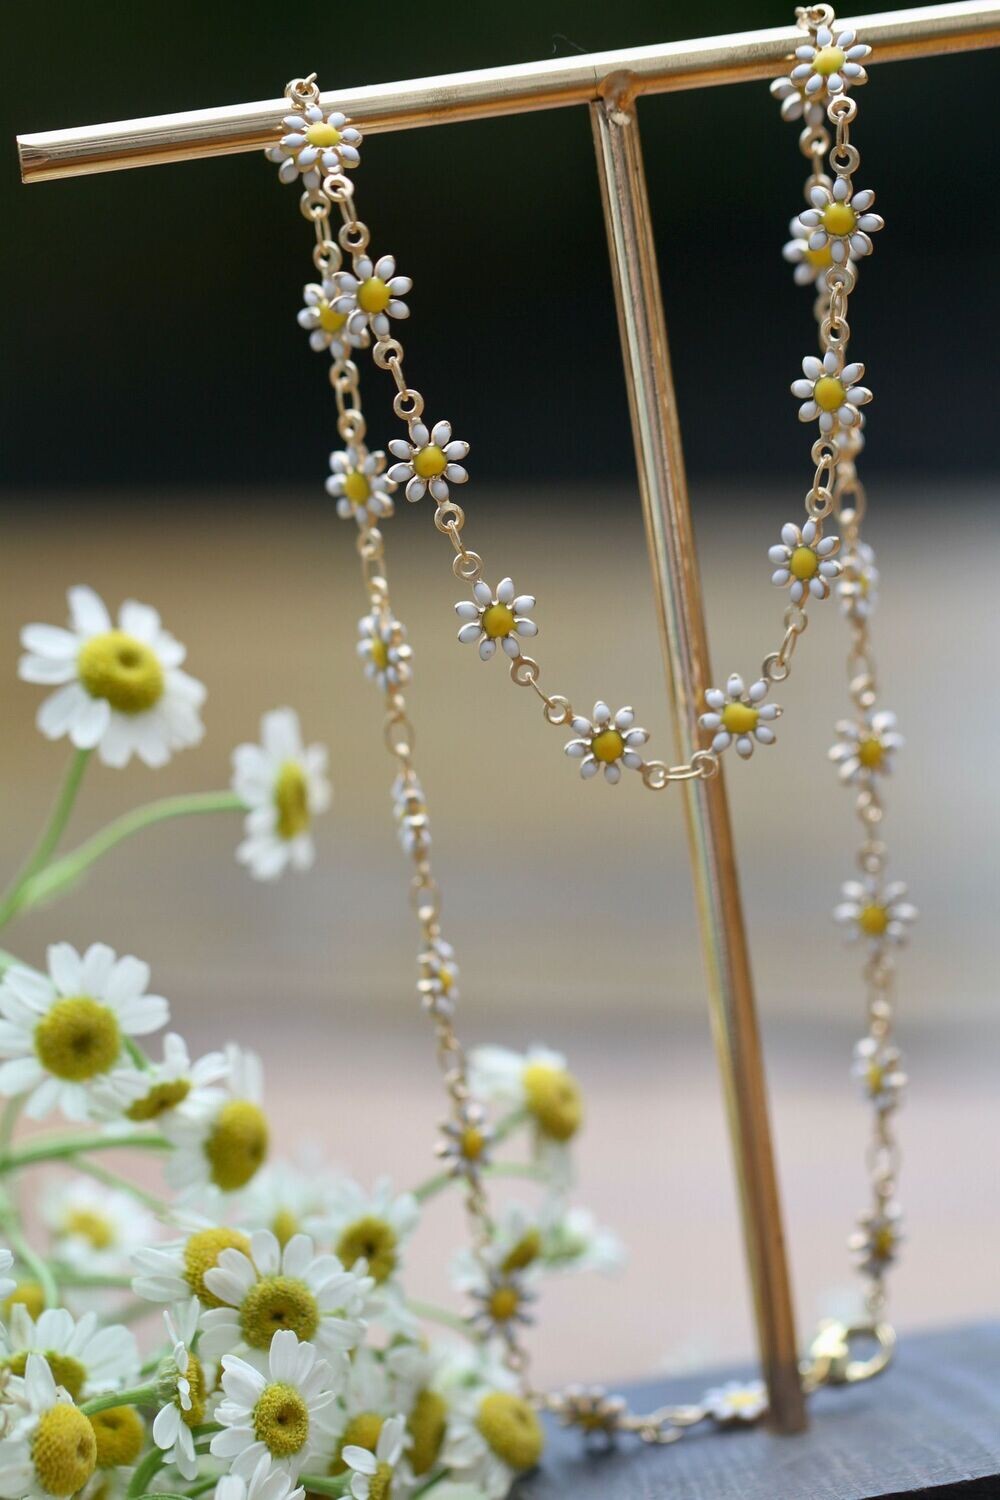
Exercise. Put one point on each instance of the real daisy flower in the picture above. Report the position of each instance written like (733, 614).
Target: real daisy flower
(419, 1376)
(571, 1239)
(830, 63)
(362, 490)
(362, 1409)
(496, 619)
(85, 1359)
(173, 1088)
(7, 1283)
(875, 911)
(371, 295)
(265, 1483)
(438, 982)
(121, 1437)
(383, 649)
(313, 144)
(467, 1139)
(537, 1081)
(805, 560)
(431, 460)
(866, 748)
(120, 688)
(379, 1475)
(274, 1413)
(877, 1068)
(371, 1227)
(291, 1198)
(175, 1270)
(736, 1402)
(285, 786)
(222, 1146)
(840, 220)
(876, 1244)
(327, 329)
(830, 392)
(494, 1435)
(49, 1448)
(739, 716)
(94, 1228)
(183, 1390)
(63, 1031)
(857, 587)
(607, 740)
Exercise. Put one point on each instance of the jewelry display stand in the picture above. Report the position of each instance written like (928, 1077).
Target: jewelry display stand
(609, 84)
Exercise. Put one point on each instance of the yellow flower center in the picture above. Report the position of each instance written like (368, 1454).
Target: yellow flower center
(66, 1371)
(281, 1420)
(27, 1294)
(96, 1230)
(874, 919)
(553, 1097)
(63, 1450)
(744, 1400)
(511, 1428)
(373, 1240)
(379, 653)
(291, 798)
(525, 1252)
(363, 1432)
(322, 134)
(277, 1302)
(121, 669)
(237, 1144)
(839, 219)
(803, 563)
(504, 1303)
(472, 1143)
(874, 1077)
(201, 1254)
(608, 745)
(819, 259)
(739, 718)
(380, 1483)
(161, 1097)
(373, 295)
(871, 752)
(884, 1242)
(829, 60)
(120, 1434)
(77, 1039)
(445, 978)
(829, 393)
(329, 321)
(426, 1426)
(356, 487)
(498, 620)
(430, 461)
(195, 1377)
(284, 1225)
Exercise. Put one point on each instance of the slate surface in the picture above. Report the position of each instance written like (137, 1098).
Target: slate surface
(929, 1426)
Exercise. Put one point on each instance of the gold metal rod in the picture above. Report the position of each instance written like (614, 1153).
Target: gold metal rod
(670, 540)
(917, 31)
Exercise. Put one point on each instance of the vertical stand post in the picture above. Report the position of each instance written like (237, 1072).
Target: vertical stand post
(666, 509)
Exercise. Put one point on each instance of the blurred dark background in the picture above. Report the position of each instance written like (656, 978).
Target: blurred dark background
(149, 316)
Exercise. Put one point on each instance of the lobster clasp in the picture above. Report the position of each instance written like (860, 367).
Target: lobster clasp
(830, 1358)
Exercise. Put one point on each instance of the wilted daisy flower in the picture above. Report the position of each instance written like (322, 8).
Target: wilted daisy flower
(120, 687)
(284, 785)
(372, 1227)
(383, 650)
(466, 1142)
(830, 392)
(85, 1359)
(537, 1081)
(409, 808)
(438, 982)
(173, 1087)
(265, 1483)
(877, 1069)
(377, 1475)
(431, 460)
(94, 1228)
(49, 1449)
(63, 1031)
(794, 104)
(608, 741)
(221, 1147)
(174, 1271)
(496, 619)
(857, 587)
(183, 1390)
(736, 1401)
(269, 1286)
(327, 329)
(276, 1412)
(876, 1244)
(840, 220)
(829, 64)
(874, 911)
(739, 715)
(805, 560)
(372, 295)
(314, 144)
(359, 486)
(867, 748)
(494, 1435)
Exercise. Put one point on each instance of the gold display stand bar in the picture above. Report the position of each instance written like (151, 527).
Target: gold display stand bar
(610, 82)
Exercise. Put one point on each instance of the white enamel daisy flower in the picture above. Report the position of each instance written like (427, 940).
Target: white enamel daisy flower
(382, 1473)
(438, 982)
(175, 1086)
(275, 1412)
(431, 460)
(608, 741)
(362, 490)
(829, 64)
(409, 808)
(62, 1031)
(265, 1483)
(465, 1146)
(794, 103)
(48, 1448)
(840, 220)
(284, 784)
(85, 1358)
(120, 687)
(492, 620)
(222, 1146)
(830, 392)
(327, 329)
(313, 144)
(876, 1244)
(94, 1228)
(877, 1069)
(371, 1227)
(805, 560)
(493, 1435)
(810, 265)
(273, 1286)
(857, 588)
(372, 295)
(866, 749)
(875, 911)
(739, 716)
(736, 1401)
(383, 649)
(182, 1386)
(502, 1303)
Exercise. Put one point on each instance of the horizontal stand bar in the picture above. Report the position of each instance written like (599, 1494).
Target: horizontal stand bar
(917, 31)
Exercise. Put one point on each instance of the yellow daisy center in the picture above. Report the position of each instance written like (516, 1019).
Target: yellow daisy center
(363, 1432)
(874, 920)
(503, 1303)
(195, 1377)
(498, 620)
(429, 462)
(803, 563)
(739, 718)
(63, 1450)
(829, 60)
(161, 1097)
(373, 295)
(553, 1097)
(90, 1226)
(356, 487)
(120, 1433)
(743, 1400)
(608, 745)
(874, 1077)
(472, 1143)
(329, 320)
(323, 134)
(871, 752)
(819, 259)
(380, 1483)
(284, 1225)
(281, 1420)
(77, 1039)
(201, 1254)
(121, 669)
(277, 1302)
(426, 1426)
(379, 652)
(445, 978)
(27, 1294)
(829, 393)
(236, 1146)
(291, 798)
(372, 1239)
(511, 1428)
(839, 219)
(66, 1370)
(524, 1253)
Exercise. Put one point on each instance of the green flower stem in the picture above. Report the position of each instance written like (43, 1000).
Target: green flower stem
(321, 1484)
(69, 1276)
(432, 1484)
(151, 1464)
(123, 1185)
(63, 872)
(36, 1264)
(60, 1148)
(208, 1483)
(140, 1395)
(434, 1314)
(51, 834)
